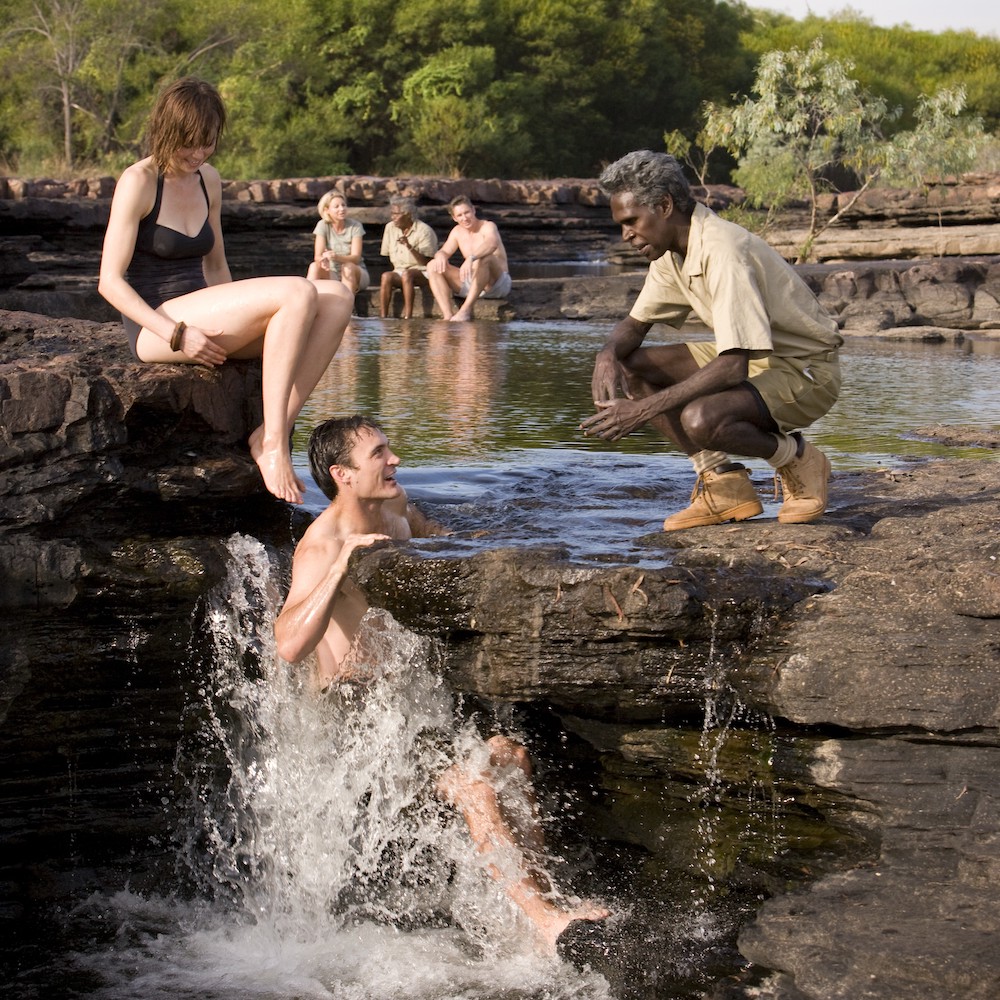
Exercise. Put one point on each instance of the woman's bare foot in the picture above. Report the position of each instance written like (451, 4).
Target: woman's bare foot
(275, 464)
(462, 316)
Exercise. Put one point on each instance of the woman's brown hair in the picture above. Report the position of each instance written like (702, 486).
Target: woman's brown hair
(189, 113)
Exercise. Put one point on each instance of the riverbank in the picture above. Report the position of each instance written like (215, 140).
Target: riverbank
(52, 235)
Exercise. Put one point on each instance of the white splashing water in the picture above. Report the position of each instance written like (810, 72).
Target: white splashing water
(326, 867)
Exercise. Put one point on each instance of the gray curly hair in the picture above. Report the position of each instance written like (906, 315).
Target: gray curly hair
(405, 202)
(648, 177)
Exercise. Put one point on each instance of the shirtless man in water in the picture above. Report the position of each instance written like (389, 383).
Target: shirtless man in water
(353, 464)
(483, 272)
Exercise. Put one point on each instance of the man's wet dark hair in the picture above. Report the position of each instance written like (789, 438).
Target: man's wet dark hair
(331, 443)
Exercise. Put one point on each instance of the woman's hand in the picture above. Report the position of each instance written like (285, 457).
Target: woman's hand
(198, 345)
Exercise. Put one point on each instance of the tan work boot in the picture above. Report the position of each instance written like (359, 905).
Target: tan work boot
(718, 497)
(803, 482)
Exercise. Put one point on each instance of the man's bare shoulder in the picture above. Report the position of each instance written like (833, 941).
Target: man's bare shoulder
(322, 539)
(395, 517)
(408, 521)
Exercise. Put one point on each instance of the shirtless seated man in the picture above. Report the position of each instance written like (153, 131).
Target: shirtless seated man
(354, 466)
(484, 264)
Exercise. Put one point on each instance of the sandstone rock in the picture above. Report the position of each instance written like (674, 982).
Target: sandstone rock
(870, 637)
(916, 921)
(79, 416)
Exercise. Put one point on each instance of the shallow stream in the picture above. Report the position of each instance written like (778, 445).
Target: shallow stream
(182, 819)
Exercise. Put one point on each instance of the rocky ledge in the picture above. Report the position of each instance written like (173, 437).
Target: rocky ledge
(871, 638)
(80, 417)
(899, 258)
(874, 635)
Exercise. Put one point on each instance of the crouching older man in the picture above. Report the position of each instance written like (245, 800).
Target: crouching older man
(772, 369)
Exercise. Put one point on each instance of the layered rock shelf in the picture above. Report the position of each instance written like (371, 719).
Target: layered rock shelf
(52, 233)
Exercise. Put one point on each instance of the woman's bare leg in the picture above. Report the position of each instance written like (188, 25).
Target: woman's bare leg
(350, 275)
(271, 318)
(285, 351)
(333, 312)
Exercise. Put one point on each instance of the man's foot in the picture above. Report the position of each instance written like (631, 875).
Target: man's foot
(462, 316)
(582, 936)
(275, 464)
(804, 485)
(718, 497)
(554, 928)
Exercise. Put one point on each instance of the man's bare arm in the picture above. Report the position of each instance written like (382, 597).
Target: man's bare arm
(422, 526)
(608, 380)
(413, 522)
(438, 263)
(318, 572)
(489, 241)
(617, 418)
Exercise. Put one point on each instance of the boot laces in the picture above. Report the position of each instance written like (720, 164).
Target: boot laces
(787, 482)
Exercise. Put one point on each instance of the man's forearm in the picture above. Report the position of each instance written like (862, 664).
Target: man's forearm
(626, 337)
(299, 629)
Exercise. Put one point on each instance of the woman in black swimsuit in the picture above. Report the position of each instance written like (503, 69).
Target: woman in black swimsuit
(164, 268)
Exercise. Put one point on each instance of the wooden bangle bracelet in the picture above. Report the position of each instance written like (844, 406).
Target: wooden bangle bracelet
(175, 338)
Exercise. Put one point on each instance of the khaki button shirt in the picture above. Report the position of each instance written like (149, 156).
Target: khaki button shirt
(741, 289)
(420, 237)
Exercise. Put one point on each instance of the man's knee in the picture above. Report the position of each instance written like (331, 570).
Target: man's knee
(697, 423)
(505, 751)
(464, 791)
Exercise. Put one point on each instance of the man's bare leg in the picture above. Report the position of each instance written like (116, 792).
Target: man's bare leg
(406, 279)
(485, 273)
(389, 281)
(443, 290)
(475, 796)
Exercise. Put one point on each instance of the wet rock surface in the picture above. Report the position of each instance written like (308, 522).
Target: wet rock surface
(872, 637)
(877, 629)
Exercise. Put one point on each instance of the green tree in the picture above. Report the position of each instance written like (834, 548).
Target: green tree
(899, 64)
(456, 115)
(811, 124)
(80, 75)
(809, 118)
(943, 141)
(54, 36)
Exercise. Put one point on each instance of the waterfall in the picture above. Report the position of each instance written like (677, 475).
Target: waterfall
(322, 864)
(739, 818)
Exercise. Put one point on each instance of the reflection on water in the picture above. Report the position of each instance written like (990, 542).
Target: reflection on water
(486, 420)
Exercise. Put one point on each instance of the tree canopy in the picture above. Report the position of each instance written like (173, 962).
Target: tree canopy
(504, 88)
(809, 125)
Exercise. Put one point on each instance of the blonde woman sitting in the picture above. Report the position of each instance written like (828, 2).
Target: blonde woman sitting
(337, 251)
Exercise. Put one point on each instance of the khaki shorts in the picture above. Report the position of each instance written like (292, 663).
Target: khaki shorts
(796, 391)
(500, 288)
